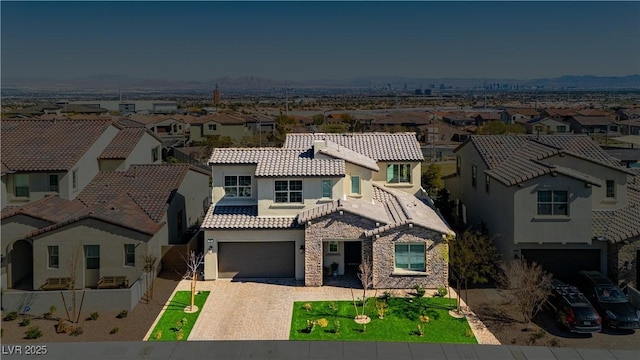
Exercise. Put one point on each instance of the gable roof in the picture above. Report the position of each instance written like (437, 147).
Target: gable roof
(593, 120)
(340, 152)
(522, 111)
(39, 145)
(512, 159)
(621, 224)
(377, 146)
(279, 161)
(123, 143)
(244, 217)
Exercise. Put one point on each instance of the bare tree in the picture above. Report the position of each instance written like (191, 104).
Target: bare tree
(366, 279)
(529, 286)
(149, 263)
(73, 265)
(193, 264)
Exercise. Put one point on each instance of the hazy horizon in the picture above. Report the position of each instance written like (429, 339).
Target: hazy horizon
(302, 41)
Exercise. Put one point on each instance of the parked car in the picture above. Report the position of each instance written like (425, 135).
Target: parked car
(572, 310)
(609, 300)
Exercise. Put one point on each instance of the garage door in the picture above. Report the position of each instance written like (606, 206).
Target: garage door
(256, 260)
(565, 264)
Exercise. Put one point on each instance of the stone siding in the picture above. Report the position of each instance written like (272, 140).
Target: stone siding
(620, 253)
(330, 227)
(436, 274)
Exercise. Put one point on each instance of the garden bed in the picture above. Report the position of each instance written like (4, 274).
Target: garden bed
(334, 320)
(175, 323)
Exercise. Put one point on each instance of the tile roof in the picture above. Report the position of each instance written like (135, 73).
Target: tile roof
(244, 217)
(50, 208)
(377, 146)
(150, 186)
(374, 211)
(621, 224)
(334, 150)
(39, 145)
(279, 161)
(593, 120)
(123, 143)
(522, 111)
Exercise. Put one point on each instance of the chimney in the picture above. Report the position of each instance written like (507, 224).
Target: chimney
(319, 145)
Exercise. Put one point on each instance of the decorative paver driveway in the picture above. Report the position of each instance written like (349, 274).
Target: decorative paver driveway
(262, 309)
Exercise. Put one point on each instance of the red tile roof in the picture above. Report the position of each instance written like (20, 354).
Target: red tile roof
(123, 143)
(39, 145)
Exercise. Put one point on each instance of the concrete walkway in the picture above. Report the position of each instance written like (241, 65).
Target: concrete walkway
(263, 309)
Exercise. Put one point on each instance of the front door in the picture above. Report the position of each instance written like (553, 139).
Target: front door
(92, 265)
(352, 253)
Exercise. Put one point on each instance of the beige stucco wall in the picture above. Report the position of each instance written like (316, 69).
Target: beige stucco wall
(218, 174)
(366, 177)
(112, 164)
(38, 188)
(233, 131)
(110, 238)
(195, 190)
(311, 193)
(4, 194)
(141, 153)
(213, 237)
(380, 177)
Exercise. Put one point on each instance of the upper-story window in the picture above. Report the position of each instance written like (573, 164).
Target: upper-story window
(474, 176)
(327, 189)
(212, 127)
(487, 183)
(355, 184)
(74, 179)
(288, 191)
(553, 202)
(129, 255)
(458, 165)
(54, 185)
(561, 129)
(611, 189)
(237, 186)
(399, 173)
(21, 185)
(155, 153)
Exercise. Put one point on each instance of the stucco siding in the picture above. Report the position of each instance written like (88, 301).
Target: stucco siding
(311, 193)
(413, 188)
(220, 171)
(142, 152)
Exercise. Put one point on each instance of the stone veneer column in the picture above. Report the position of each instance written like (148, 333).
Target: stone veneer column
(312, 257)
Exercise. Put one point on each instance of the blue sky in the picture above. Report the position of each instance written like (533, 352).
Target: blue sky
(319, 40)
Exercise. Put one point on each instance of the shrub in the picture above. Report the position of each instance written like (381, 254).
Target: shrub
(63, 326)
(322, 322)
(424, 318)
(123, 314)
(336, 327)
(25, 322)
(386, 295)
(93, 316)
(76, 331)
(420, 291)
(114, 330)
(33, 333)
(468, 333)
(442, 291)
(381, 307)
(307, 306)
(333, 306)
(11, 316)
(52, 309)
(157, 335)
(179, 334)
(310, 325)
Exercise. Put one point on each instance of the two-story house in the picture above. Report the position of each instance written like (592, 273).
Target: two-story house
(559, 200)
(324, 201)
(104, 233)
(218, 124)
(546, 125)
(511, 116)
(60, 157)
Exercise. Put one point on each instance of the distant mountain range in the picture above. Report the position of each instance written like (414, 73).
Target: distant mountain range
(126, 83)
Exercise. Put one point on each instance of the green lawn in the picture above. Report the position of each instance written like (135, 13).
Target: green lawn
(174, 318)
(400, 322)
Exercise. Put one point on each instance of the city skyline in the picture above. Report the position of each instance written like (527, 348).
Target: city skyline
(320, 40)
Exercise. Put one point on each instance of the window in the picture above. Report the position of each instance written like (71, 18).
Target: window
(154, 153)
(54, 257)
(399, 173)
(611, 189)
(458, 164)
(552, 202)
(288, 191)
(129, 255)
(237, 186)
(92, 255)
(474, 176)
(355, 184)
(179, 221)
(53, 183)
(333, 247)
(21, 185)
(410, 257)
(487, 185)
(327, 189)
(561, 129)
(212, 127)
(74, 179)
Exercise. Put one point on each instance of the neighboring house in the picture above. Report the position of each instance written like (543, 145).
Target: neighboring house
(629, 126)
(51, 157)
(58, 109)
(171, 129)
(218, 124)
(597, 124)
(558, 114)
(262, 124)
(440, 133)
(559, 200)
(511, 116)
(118, 218)
(547, 125)
(125, 107)
(322, 199)
(60, 157)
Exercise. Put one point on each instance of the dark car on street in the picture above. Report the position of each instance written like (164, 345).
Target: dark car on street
(612, 304)
(572, 310)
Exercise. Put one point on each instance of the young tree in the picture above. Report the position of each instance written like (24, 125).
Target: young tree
(149, 263)
(193, 264)
(432, 179)
(366, 279)
(473, 257)
(74, 264)
(529, 286)
(445, 205)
